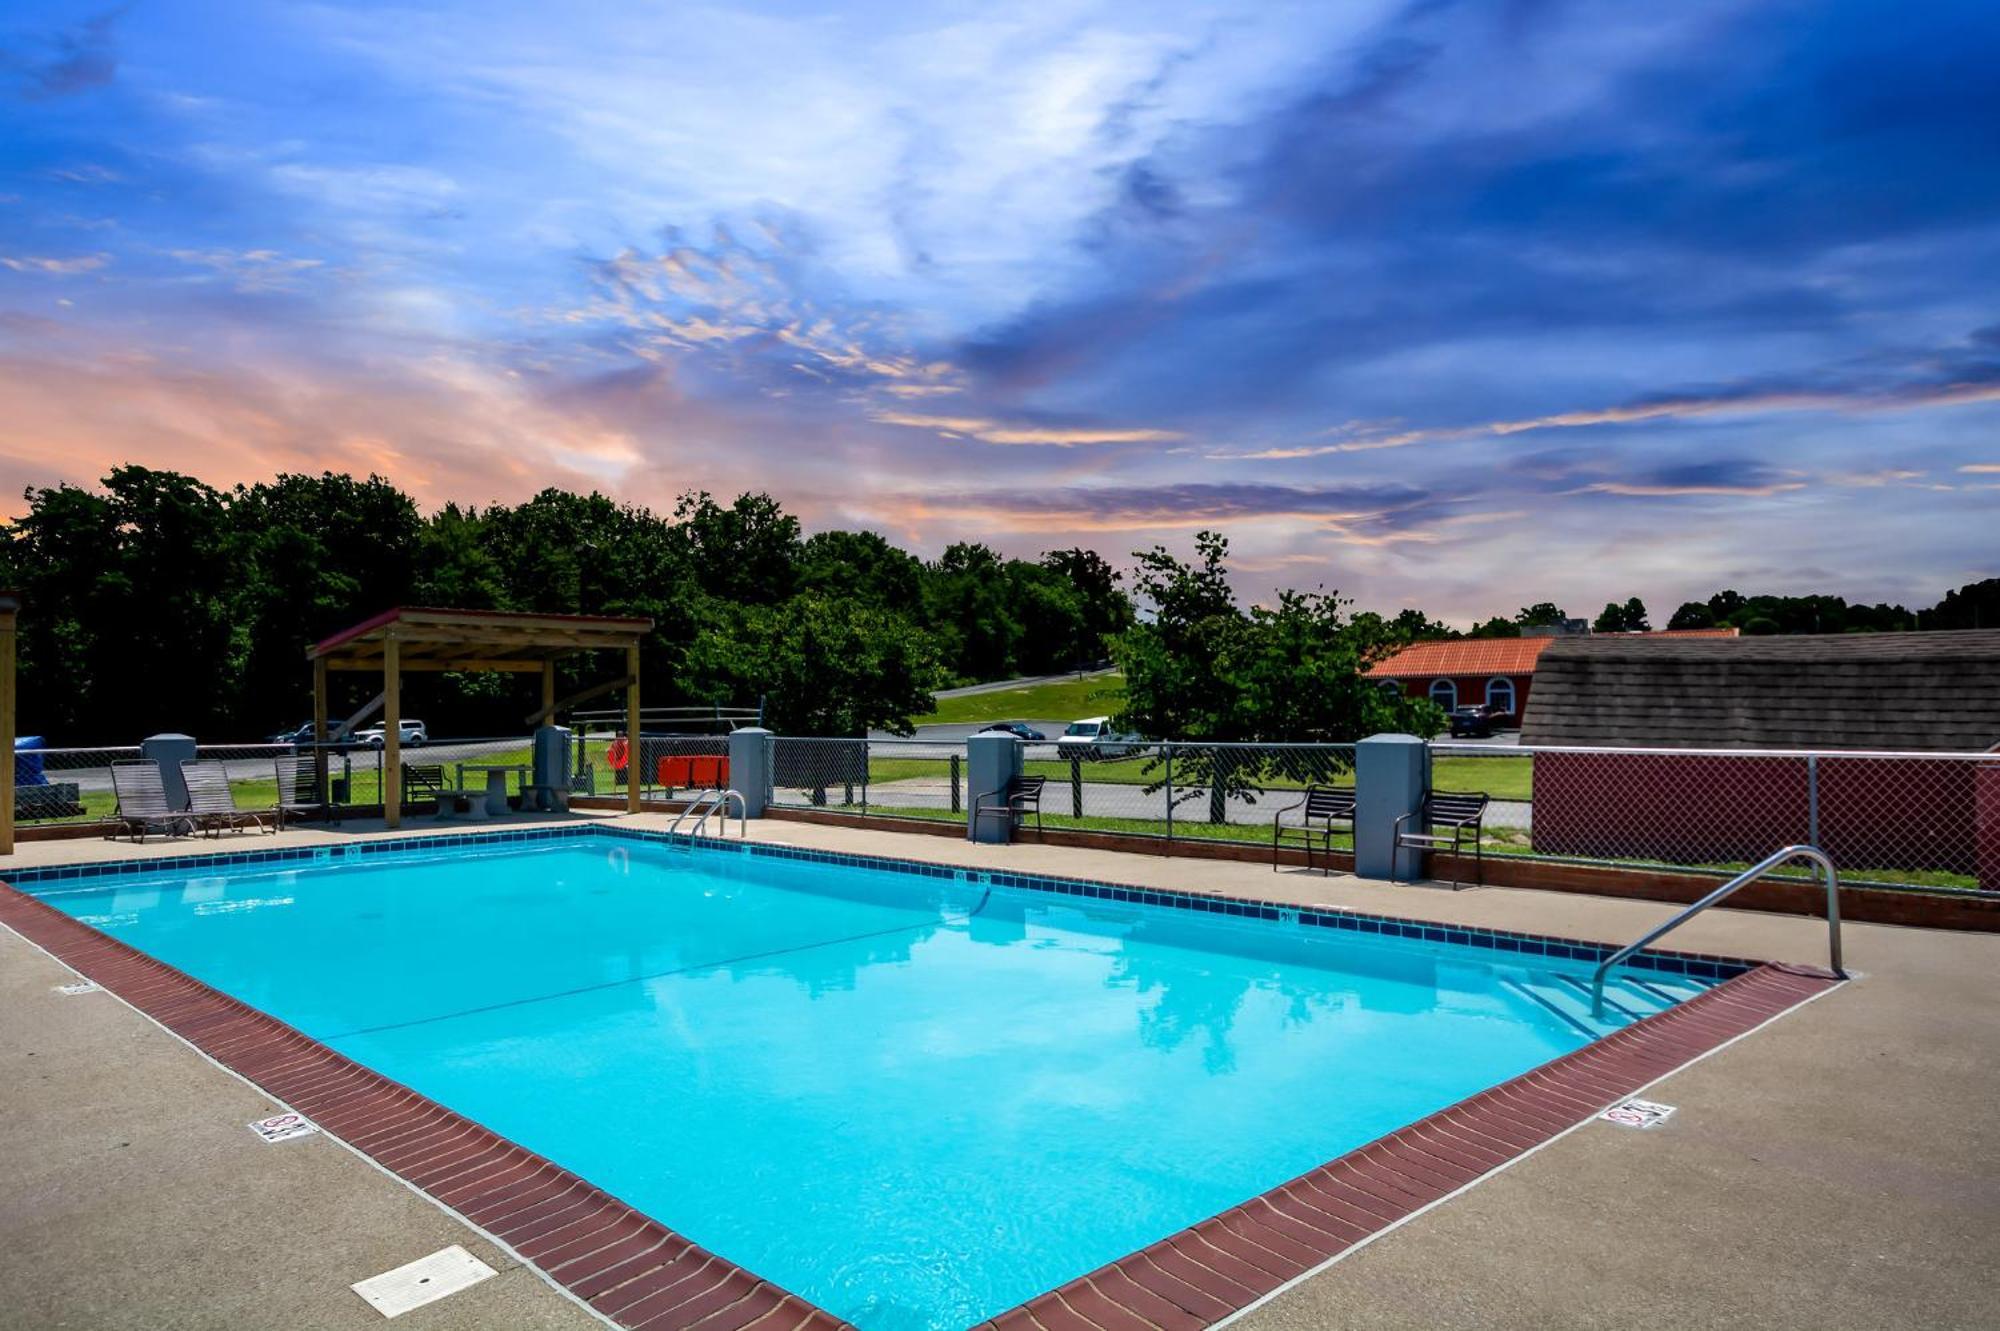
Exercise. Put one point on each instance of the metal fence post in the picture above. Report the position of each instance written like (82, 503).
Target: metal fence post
(955, 805)
(1812, 800)
(1221, 767)
(1076, 785)
(1170, 798)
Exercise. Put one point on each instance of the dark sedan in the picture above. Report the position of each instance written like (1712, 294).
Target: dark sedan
(1018, 729)
(1472, 721)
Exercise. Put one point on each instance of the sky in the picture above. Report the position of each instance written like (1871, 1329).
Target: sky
(1452, 305)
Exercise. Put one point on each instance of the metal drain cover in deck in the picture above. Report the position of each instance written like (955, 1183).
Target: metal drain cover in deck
(425, 1280)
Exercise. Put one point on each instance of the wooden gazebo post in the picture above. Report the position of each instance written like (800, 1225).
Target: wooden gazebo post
(633, 748)
(320, 772)
(392, 731)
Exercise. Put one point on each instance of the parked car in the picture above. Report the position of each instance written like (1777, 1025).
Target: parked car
(413, 732)
(1093, 737)
(300, 734)
(1473, 720)
(1018, 729)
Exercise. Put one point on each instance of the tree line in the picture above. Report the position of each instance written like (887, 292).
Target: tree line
(156, 602)
(1975, 605)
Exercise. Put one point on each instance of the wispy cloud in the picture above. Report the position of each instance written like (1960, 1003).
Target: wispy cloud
(994, 432)
(55, 267)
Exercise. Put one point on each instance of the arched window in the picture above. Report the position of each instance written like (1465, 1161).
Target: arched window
(1444, 693)
(1500, 695)
(1391, 688)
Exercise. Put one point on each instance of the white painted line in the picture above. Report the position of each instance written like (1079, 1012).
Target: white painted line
(1637, 1114)
(284, 1127)
(426, 1280)
(78, 987)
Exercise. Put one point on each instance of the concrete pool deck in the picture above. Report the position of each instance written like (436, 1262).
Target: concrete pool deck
(1838, 1165)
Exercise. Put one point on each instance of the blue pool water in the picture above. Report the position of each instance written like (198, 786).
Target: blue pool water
(915, 1101)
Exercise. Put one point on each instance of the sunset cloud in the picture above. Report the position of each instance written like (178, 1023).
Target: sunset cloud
(1446, 304)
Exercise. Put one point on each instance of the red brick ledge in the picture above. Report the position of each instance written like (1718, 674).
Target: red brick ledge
(625, 1265)
(640, 1274)
(1206, 1272)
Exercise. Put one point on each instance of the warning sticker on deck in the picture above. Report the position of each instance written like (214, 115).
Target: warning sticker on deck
(78, 987)
(1638, 1114)
(283, 1127)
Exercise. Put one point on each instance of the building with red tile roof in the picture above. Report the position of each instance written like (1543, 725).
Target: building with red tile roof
(1496, 672)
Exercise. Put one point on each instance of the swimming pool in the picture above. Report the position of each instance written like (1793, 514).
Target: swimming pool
(915, 1098)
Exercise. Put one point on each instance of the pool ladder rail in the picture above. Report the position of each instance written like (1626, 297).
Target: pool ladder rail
(1813, 855)
(713, 802)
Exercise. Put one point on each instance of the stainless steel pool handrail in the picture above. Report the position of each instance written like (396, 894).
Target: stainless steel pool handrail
(713, 801)
(1812, 854)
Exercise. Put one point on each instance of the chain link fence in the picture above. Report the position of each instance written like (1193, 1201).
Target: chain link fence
(1215, 792)
(1927, 821)
(53, 786)
(1922, 820)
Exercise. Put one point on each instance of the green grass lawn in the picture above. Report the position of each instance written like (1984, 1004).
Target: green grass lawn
(1063, 700)
(1507, 776)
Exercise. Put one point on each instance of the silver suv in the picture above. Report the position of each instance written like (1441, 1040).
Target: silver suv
(413, 735)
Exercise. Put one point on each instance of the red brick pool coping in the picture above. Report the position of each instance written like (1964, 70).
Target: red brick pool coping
(639, 1274)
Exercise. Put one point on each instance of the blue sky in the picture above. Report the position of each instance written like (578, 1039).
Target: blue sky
(1449, 305)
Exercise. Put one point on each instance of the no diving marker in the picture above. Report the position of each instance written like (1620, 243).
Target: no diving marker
(1638, 1114)
(283, 1127)
(77, 987)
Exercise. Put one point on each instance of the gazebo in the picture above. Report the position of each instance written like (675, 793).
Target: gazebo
(406, 639)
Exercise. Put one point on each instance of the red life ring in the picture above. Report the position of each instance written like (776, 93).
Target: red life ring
(617, 754)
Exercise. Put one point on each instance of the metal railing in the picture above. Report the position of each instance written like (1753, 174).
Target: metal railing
(1811, 854)
(713, 803)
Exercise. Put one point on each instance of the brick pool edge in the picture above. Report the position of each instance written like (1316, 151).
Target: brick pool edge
(638, 1273)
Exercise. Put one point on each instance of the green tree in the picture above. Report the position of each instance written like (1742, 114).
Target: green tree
(128, 596)
(1973, 606)
(1542, 614)
(861, 566)
(1627, 618)
(1106, 609)
(823, 666)
(1693, 615)
(1203, 669)
(967, 607)
(747, 553)
(313, 554)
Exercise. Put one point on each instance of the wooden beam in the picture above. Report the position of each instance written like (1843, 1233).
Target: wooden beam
(550, 706)
(392, 734)
(368, 709)
(548, 688)
(472, 664)
(9, 608)
(634, 746)
(319, 735)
